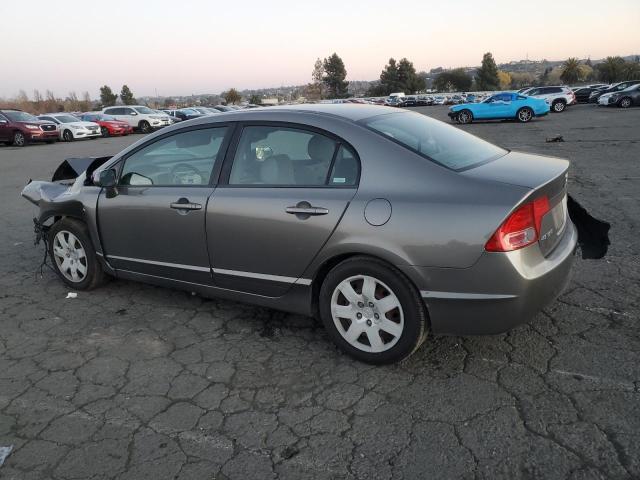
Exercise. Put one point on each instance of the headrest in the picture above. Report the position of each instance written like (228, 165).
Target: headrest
(320, 148)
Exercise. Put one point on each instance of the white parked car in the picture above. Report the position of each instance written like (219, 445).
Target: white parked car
(557, 97)
(72, 128)
(139, 117)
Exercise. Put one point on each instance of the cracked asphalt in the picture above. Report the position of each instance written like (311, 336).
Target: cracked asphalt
(133, 381)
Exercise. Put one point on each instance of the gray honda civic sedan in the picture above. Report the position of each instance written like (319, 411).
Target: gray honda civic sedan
(385, 224)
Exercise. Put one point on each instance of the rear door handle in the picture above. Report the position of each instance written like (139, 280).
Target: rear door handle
(185, 204)
(305, 208)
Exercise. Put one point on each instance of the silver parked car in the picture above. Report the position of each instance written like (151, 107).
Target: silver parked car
(386, 224)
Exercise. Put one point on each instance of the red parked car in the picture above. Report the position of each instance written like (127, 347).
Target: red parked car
(19, 128)
(108, 125)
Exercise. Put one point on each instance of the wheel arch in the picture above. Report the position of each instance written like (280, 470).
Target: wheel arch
(329, 263)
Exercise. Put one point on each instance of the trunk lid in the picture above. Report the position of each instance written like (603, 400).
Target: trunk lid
(545, 176)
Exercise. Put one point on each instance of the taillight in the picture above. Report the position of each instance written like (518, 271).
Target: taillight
(521, 228)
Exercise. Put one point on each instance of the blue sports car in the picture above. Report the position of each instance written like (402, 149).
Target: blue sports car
(505, 105)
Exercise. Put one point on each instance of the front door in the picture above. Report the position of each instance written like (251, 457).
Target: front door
(154, 221)
(277, 204)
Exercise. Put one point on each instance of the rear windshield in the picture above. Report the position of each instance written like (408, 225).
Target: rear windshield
(434, 140)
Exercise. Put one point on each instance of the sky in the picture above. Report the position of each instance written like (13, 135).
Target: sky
(197, 46)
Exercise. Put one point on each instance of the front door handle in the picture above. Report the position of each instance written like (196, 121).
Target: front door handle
(185, 204)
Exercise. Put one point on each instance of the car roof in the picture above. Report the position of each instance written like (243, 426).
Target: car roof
(348, 111)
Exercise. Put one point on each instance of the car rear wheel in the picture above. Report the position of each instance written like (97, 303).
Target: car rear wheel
(524, 115)
(73, 255)
(371, 311)
(144, 126)
(19, 140)
(624, 102)
(104, 131)
(465, 116)
(67, 136)
(558, 106)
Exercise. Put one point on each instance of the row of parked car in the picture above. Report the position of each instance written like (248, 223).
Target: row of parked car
(19, 128)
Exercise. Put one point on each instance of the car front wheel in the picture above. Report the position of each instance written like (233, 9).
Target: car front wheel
(73, 255)
(524, 115)
(625, 102)
(104, 131)
(144, 126)
(19, 140)
(371, 311)
(67, 136)
(558, 106)
(465, 116)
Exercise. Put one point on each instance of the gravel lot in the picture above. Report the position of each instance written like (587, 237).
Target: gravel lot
(133, 382)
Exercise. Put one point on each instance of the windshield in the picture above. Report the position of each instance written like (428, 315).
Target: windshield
(66, 118)
(435, 140)
(21, 117)
(143, 110)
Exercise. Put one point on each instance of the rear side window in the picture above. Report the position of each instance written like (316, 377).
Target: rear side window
(434, 140)
(285, 156)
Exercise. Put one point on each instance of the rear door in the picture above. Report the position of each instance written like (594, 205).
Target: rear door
(153, 223)
(283, 190)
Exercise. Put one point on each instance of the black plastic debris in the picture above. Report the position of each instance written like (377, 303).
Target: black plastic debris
(557, 138)
(593, 234)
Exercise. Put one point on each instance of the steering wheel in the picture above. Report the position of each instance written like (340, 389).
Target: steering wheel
(185, 174)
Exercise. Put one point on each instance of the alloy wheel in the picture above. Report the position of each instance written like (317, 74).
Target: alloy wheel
(67, 136)
(625, 102)
(524, 115)
(367, 313)
(70, 256)
(18, 139)
(558, 106)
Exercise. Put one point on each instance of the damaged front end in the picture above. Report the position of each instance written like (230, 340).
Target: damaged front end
(66, 195)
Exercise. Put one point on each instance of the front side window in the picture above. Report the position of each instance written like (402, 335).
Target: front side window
(186, 158)
(282, 156)
(434, 140)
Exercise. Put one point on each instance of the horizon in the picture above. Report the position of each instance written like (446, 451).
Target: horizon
(160, 48)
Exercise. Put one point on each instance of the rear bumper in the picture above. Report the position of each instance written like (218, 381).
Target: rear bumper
(499, 292)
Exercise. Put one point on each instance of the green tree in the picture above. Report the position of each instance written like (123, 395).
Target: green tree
(571, 72)
(126, 95)
(456, 79)
(631, 70)
(389, 82)
(168, 102)
(255, 99)
(408, 79)
(611, 69)
(487, 75)
(107, 97)
(232, 96)
(334, 76)
(315, 88)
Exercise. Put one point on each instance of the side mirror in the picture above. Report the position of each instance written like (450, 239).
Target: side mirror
(133, 113)
(105, 178)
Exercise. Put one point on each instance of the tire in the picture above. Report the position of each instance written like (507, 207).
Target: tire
(464, 117)
(68, 241)
(144, 126)
(403, 326)
(625, 102)
(558, 106)
(19, 139)
(104, 131)
(524, 115)
(67, 136)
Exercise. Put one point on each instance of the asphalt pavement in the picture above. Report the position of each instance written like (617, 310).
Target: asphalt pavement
(132, 381)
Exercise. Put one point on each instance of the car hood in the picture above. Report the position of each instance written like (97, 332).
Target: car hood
(81, 124)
